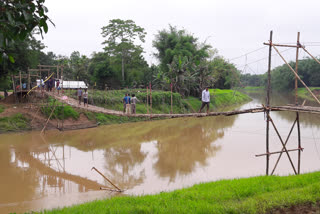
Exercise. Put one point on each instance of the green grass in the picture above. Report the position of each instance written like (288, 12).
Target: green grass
(60, 112)
(14, 123)
(248, 195)
(304, 93)
(1, 108)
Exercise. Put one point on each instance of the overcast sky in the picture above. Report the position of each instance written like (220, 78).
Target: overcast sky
(233, 27)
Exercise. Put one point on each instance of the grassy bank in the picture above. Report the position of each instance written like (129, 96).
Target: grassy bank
(249, 195)
(161, 100)
(304, 93)
(60, 112)
(15, 122)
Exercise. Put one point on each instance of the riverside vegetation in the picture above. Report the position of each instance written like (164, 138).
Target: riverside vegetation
(161, 103)
(263, 194)
(220, 100)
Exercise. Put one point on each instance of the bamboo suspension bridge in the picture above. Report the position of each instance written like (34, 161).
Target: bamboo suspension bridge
(266, 108)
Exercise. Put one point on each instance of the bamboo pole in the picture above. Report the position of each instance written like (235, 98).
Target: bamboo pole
(272, 153)
(279, 45)
(268, 105)
(310, 54)
(297, 75)
(284, 146)
(20, 85)
(106, 178)
(54, 107)
(297, 61)
(296, 99)
(150, 98)
(171, 98)
(147, 101)
(299, 142)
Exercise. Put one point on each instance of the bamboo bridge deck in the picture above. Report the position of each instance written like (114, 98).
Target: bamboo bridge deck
(74, 103)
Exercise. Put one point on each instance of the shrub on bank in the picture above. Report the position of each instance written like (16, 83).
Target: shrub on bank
(14, 123)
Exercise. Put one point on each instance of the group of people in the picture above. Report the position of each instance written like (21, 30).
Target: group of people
(129, 104)
(83, 94)
(50, 84)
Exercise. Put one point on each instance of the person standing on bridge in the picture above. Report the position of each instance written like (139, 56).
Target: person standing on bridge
(79, 93)
(134, 100)
(85, 98)
(205, 99)
(126, 104)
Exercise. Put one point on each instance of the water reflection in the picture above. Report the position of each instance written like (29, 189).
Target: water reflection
(130, 154)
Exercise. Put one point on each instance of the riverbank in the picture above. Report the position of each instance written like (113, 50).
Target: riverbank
(74, 118)
(304, 93)
(263, 194)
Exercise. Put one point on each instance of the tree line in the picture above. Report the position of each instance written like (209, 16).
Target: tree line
(185, 64)
(282, 78)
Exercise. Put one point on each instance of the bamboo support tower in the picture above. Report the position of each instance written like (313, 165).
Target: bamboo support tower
(297, 75)
(106, 178)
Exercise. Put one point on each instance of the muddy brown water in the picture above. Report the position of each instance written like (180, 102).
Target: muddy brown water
(39, 173)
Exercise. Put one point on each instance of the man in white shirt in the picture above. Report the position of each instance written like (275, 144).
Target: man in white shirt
(205, 99)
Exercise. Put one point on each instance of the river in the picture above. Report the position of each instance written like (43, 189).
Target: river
(146, 157)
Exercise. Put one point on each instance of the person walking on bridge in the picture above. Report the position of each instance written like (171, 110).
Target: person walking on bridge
(205, 99)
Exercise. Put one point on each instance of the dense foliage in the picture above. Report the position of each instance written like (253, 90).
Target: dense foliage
(18, 19)
(282, 78)
(185, 64)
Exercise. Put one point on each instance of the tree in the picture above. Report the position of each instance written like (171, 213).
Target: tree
(18, 19)
(182, 58)
(120, 37)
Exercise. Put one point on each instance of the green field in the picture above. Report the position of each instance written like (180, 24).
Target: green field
(248, 195)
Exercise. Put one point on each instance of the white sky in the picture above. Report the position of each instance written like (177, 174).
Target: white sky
(234, 27)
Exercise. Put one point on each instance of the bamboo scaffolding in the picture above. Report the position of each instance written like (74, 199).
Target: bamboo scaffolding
(284, 146)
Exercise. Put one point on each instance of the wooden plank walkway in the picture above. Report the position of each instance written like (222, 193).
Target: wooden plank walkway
(303, 109)
(74, 103)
